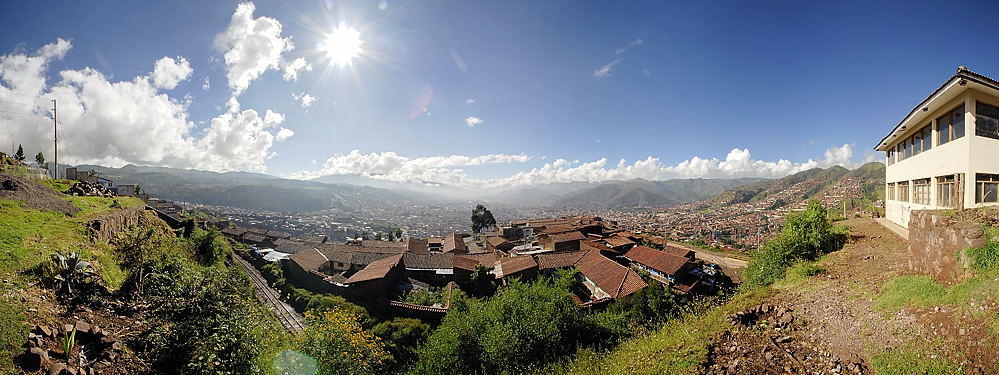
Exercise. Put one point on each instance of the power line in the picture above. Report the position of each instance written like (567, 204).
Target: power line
(13, 102)
(18, 113)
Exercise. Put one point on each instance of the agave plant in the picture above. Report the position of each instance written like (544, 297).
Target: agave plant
(72, 271)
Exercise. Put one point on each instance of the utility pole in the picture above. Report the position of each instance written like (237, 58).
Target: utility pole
(55, 139)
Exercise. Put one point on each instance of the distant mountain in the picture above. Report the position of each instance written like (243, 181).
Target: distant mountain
(249, 190)
(645, 193)
(813, 183)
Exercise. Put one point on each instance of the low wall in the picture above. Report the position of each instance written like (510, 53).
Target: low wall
(108, 226)
(937, 243)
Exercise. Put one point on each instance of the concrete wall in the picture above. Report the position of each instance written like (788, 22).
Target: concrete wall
(937, 244)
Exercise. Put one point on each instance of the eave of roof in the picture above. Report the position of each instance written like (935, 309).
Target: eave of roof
(962, 74)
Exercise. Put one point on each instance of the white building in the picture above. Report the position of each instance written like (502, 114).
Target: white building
(945, 152)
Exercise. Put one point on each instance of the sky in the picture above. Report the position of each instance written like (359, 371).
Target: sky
(477, 93)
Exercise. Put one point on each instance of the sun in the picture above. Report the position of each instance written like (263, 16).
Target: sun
(342, 45)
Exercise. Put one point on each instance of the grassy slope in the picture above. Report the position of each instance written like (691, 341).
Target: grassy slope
(680, 346)
(28, 237)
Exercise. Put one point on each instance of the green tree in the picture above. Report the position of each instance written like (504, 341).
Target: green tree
(398, 233)
(40, 159)
(481, 283)
(19, 155)
(340, 345)
(482, 218)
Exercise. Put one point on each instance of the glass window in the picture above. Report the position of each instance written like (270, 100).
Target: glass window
(891, 191)
(921, 191)
(957, 123)
(917, 143)
(944, 133)
(927, 137)
(903, 191)
(986, 188)
(986, 120)
(946, 191)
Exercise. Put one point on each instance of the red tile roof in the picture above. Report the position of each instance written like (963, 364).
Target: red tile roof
(560, 259)
(453, 243)
(618, 241)
(614, 279)
(568, 237)
(678, 251)
(376, 270)
(512, 265)
(418, 246)
(657, 260)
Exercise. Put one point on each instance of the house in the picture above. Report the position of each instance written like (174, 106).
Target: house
(87, 176)
(945, 152)
(662, 265)
(619, 244)
(680, 252)
(434, 269)
(453, 243)
(126, 190)
(417, 246)
(600, 279)
(377, 278)
(565, 241)
(497, 243)
(523, 267)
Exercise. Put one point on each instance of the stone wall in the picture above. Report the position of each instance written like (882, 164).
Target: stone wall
(108, 226)
(937, 243)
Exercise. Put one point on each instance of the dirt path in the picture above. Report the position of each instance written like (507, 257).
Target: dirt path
(838, 304)
(288, 317)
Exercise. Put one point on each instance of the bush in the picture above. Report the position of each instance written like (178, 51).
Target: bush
(522, 326)
(985, 258)
(401, 337)
(806, 235)
(340, 345)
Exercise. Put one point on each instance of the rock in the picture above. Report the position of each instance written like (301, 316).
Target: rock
(96, 331)
(82, 326)
(786, 318)
(45, 331)
(67, 328)
(57, 368)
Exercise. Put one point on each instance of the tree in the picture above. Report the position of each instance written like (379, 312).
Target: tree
(482, 218)
(398, 233)
(390, 236)
(19, 155)
(40, 159)
(401, 337)
(378, 236)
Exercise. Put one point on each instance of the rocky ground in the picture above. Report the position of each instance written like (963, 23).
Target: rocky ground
(34, 196)
(829, 324)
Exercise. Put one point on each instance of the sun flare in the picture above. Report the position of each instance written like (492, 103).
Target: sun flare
(342, 45)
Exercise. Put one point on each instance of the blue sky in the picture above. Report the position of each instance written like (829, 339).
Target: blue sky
(785, 80)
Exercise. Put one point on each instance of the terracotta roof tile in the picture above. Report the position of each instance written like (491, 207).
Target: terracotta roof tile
(559, 260)
(512, 265)
(376, 270)
(655, 259)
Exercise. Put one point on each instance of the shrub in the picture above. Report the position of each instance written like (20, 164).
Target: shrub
(522, 326)
(806, 235)
(340, 345)
(985, 258)
(401, 337)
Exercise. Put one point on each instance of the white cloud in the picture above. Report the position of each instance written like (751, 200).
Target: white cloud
(206, 83)
(394, 167)
(472, 121)
(304, 100)
(114, 123)
(283, 134)
(469, 101)
(291, 69)
(168, 72)
(251, 46)
(604, 71)
(447, 169)
(633, 43)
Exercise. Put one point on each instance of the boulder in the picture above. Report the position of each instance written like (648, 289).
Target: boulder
(35, 359)
(57, 369)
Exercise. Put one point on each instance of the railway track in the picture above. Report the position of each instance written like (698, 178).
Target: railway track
(289, 318)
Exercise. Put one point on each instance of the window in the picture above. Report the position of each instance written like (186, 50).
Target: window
(917, 143)
(921, 191)
(891, 156)
(951, 125)
(986, 120)
(947, 191)
(891, 191)
(927, 137)
(906, 148)
(986, 188)
(903, 191)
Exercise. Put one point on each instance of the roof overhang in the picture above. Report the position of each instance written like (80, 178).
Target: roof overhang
(963, 80)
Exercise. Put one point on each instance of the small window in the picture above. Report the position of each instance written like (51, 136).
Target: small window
(986, 120)
(947, 191)
(891, 191)
(927, 137)
(917, 143)
(986, 188)
(952, 125)
(903, 191)
(921, 191)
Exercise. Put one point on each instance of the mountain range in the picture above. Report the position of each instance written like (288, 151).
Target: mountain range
(259, 191)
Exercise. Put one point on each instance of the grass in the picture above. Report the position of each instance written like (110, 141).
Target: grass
(678, 347)
(910, 360)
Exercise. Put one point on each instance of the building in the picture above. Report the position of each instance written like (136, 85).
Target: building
(91, 177)
(945, 152)
(564, 241)
(663, 266)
